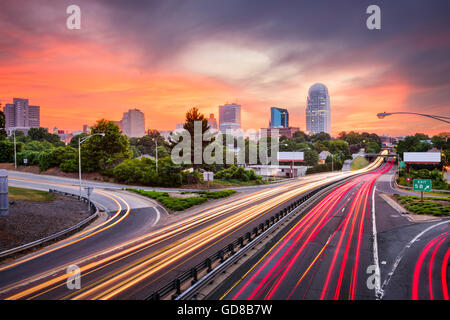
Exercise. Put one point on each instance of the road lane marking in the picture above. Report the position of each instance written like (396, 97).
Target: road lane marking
(402, 253)
(378, 290)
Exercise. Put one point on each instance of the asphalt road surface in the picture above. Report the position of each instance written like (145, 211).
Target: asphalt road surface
(336, 251)
(139, 248)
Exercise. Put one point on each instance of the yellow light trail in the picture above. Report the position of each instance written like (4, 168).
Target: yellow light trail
(186, 245)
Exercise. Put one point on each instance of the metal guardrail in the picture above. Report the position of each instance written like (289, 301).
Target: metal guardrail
(222, 257)
(33, 244)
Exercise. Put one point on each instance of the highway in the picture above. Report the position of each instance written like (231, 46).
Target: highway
(352, 245)
(120, 262)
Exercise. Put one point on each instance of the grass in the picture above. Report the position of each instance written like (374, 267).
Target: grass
(213, 194)
(240, 183)
(29, 195)
(429, 206)
(180, 204)
(358, 163)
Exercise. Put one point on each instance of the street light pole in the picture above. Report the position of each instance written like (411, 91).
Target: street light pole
(15, 153)
(156, 141)
(79, 154)
(381, 115)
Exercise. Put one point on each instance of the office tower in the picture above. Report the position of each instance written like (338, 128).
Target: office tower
(21, 116)
(212, 122)
(229, 117)
(318, 113)
(279, 118)
(87, 129)
(133, 123)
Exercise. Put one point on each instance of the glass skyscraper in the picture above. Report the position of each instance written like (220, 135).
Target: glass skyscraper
(318, 113)
(279, 118)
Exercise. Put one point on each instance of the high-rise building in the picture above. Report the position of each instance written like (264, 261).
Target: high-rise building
(229, 117)
(212, 122)
(86, 128)
(318, 113)
(133, 123)
(279, 118)
(21, 116)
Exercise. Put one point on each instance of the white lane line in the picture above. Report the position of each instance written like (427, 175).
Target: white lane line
(158, 215)
(402, 252)
(378, 290)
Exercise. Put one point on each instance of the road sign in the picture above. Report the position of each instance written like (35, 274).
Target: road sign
(25, 161)
(422, 185)
(408, 179)
(208, 176)
(402, 164)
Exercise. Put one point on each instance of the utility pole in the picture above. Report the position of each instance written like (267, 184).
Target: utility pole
(156, 141)
(15, 153)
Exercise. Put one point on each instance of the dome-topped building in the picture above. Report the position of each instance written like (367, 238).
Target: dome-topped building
(318, 113)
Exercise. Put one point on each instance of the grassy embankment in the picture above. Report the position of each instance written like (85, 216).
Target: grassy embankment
(436, 206)
(358, 163)
(179, 204)
(29, 195)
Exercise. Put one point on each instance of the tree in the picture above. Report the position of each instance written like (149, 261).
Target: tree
(321, 136)
(412, 144)
(192, 116)
(7, 150)
(74, 141)
(441, 141)
(311, 157)
(41, 134)
(102, 153)
(38, 145)
(300, 136)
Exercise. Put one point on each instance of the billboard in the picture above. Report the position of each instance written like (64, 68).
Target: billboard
(422, 157)
(290, 156)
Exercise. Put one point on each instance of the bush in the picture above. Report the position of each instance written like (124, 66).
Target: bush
(31, 156)
(7, 150)
(237, 173)
(434, 175)
(337, 165)
(143, 171)
(177, 204)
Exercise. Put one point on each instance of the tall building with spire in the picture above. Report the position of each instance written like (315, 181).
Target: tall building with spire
(318, 112)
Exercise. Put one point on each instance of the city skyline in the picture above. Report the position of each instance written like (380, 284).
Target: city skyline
(269, 58)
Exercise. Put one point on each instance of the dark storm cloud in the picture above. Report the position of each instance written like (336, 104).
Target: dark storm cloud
(335, 30)
(337, 27)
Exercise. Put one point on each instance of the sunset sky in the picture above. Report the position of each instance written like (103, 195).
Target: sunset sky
(166, 56)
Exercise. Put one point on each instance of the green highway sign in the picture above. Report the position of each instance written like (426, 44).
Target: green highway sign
(422, 185)
(402, 164)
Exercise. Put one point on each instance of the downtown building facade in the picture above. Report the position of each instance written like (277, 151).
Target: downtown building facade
(21, 116)
(279, 118)
(212, 122)
(229, 117)
(133, 123)
(318, 112)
